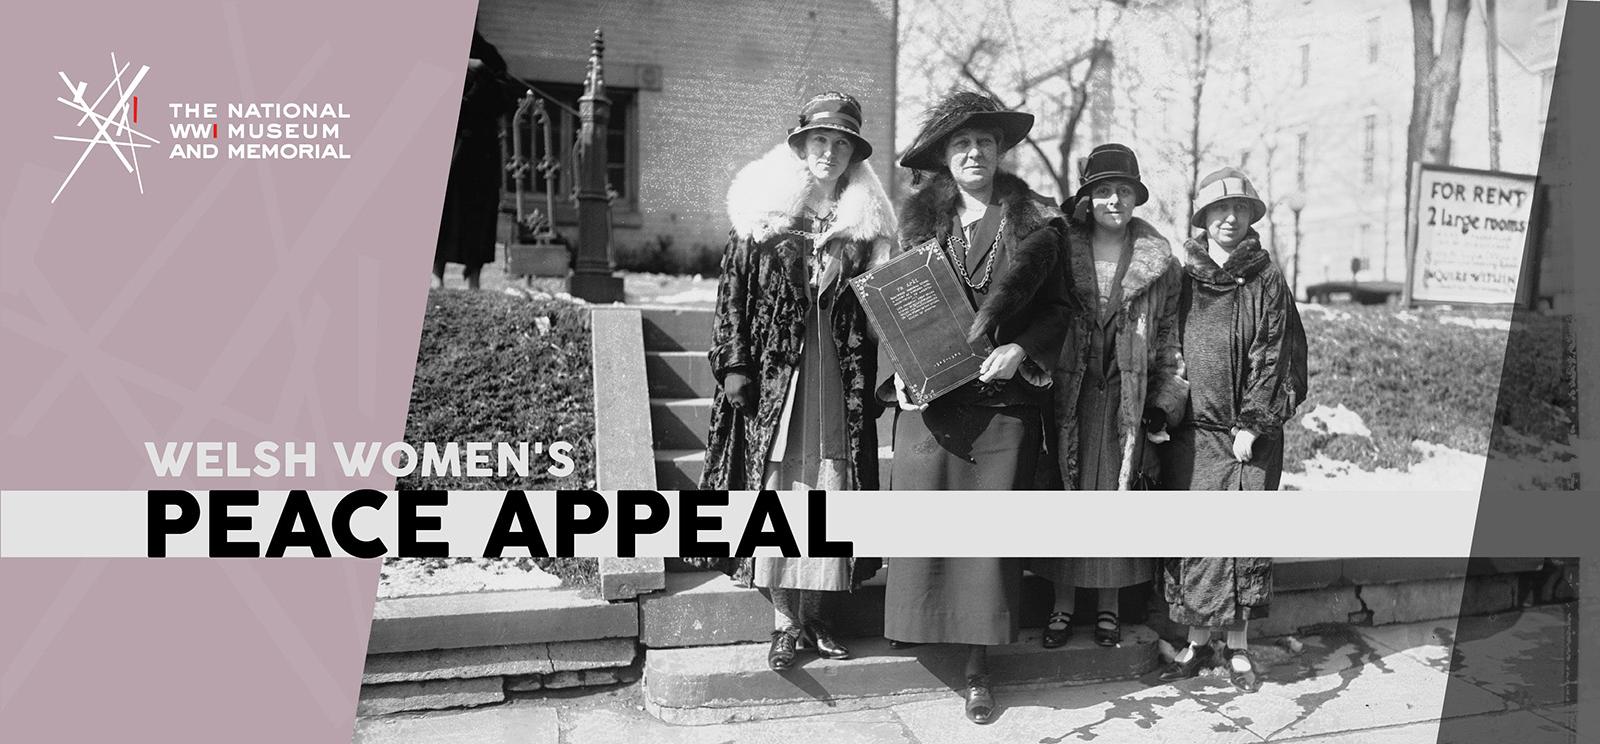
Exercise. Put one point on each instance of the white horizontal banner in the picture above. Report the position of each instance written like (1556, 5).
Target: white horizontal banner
(128, 524)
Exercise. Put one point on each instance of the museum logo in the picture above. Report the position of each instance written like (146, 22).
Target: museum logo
(114, 127)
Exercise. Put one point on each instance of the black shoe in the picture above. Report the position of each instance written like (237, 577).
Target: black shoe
(1185, 669)
(1247, 680)
(781, 655)
(1056, 637)
(819, 638)
(980, 699)
(899, 645)
(1108, 629)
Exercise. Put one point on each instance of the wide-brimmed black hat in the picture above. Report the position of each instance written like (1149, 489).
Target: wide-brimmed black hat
(838, 112)
(960, 110)
(1106, 162)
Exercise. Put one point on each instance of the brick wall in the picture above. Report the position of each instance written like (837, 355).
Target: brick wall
(732, 76)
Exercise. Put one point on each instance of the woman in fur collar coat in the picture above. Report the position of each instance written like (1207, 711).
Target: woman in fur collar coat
(1244, 344)
(1246, 354)
(791, 350)
(1121, 374)
(1003, 241)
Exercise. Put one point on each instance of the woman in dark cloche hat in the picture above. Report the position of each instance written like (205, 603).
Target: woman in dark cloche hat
(792, 351)
(1246, 352)
(1121, 376)
(1004, 243)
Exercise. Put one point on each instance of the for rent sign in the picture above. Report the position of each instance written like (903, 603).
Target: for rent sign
(1469, 231)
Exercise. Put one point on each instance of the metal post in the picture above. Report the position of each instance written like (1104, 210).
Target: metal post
(592, 276)
(1492, 49)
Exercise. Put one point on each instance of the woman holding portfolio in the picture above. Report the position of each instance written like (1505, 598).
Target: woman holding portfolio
(791, 349)
(1003, 241)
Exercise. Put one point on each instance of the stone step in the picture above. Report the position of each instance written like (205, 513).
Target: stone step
(677, 330)
(704, 608)
(679, 374)
(680, 469)
(503, 618)
(679, 423)
(720, 683)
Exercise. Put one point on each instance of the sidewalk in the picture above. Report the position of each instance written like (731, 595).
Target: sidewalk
(1512, 681)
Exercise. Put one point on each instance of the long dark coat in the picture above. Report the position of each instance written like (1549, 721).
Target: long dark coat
(1246, 355)
(1026, 304)
(472, 192)
(1147, 346)
(1215, 592)
(762, 301)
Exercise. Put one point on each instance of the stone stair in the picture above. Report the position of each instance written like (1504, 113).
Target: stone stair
(681, 384)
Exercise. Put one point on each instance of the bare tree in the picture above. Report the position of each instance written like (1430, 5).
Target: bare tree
(1053, 78)
(1202, 64)
(1437, 83)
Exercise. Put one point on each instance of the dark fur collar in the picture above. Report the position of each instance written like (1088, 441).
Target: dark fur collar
(1245, 262)
(928, 212)
(1152, 257)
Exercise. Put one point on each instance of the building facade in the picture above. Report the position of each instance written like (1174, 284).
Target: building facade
(699, 88)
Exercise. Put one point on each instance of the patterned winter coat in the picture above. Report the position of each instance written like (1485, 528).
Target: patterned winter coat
(762, 301)
(1147, 346)
(1246, 355)
(1216, 592)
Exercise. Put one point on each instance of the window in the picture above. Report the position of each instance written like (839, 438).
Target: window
(1374, 40)
(1302, 144)
(1369, 147)
(561, 103)
(1305, 65)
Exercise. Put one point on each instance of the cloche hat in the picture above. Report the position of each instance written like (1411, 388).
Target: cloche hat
(838, 112)
(1106, 162)
(1226, 183)
(963, 109)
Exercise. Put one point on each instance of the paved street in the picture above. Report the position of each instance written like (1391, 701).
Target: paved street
(1510, 680)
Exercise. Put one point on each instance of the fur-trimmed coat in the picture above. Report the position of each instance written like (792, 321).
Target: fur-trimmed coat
(1246, 356)
(1147, 344)
(762, 302)
(1025, 303)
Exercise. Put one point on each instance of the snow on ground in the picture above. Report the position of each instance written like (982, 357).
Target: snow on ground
(1441, 469)
(1339, 420)
(1330, 313)
(1490, 324)
(409, 577)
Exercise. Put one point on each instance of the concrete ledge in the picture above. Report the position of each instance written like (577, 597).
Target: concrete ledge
(711, 685)
(496, 619)
(626, 578)
(703, 608)
(496, 661)
(377, 700)
(623, 456)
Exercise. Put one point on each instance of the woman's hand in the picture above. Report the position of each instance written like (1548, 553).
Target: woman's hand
(740, 392)
(1244, 443)
(1002, 363)
(905, 400)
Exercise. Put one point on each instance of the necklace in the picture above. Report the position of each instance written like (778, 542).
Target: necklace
(960, 260)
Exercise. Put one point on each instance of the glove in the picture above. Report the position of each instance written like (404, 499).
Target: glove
(1244, 442)
(740, 392)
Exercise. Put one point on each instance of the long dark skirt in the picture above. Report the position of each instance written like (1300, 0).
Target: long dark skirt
(953, 600)
(1202, 460)
(1216, 592)
(960, 447)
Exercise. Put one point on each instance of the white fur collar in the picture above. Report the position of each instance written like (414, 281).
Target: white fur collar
(770, 193)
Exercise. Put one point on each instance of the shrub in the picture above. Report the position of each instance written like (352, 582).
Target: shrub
(488, 371)
(1412, 376)
(662, 255)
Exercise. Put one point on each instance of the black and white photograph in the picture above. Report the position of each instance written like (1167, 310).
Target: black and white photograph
(969, 246)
